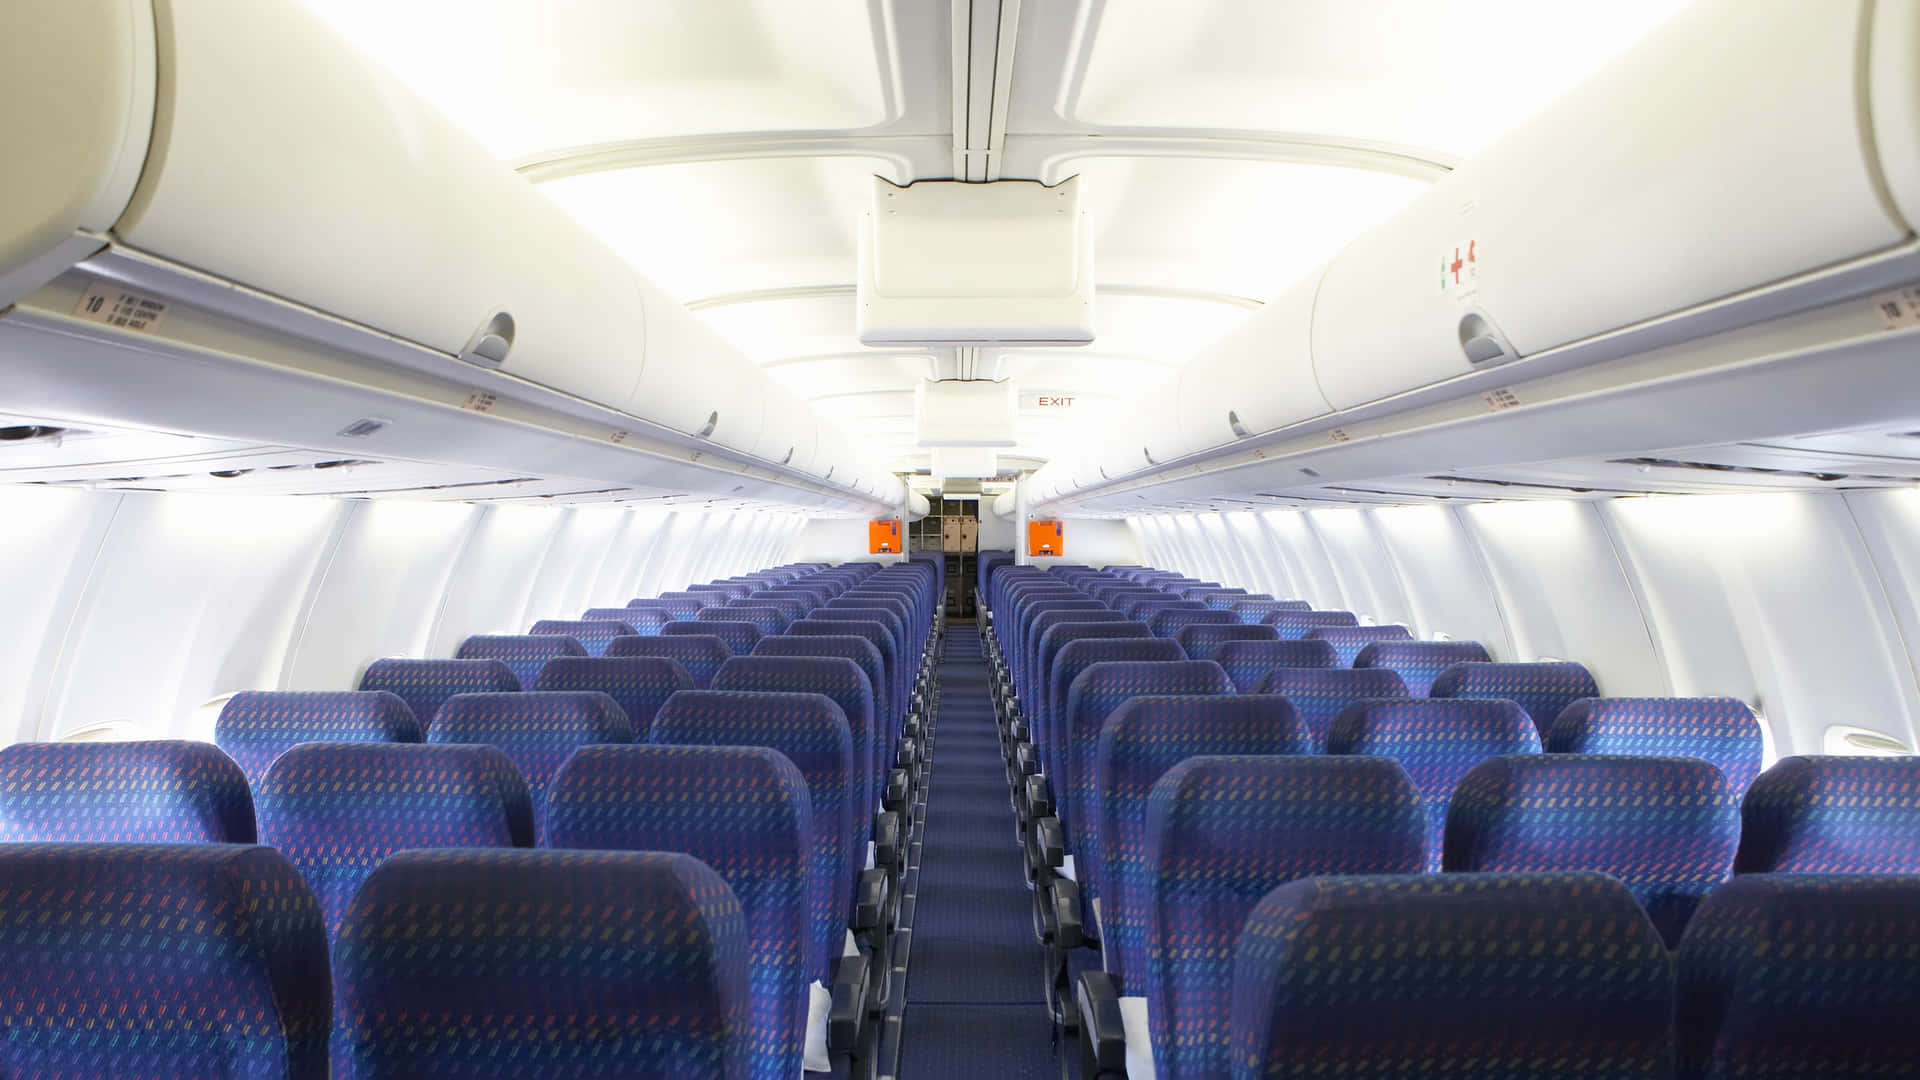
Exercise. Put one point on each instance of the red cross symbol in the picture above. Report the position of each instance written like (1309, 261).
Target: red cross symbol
(1457, 264)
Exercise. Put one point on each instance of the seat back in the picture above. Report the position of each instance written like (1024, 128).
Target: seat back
(1437, 742)
(1543, 688)
(424, 684)
(863, 653)
(1201, 641)
(537, 731)
(1470, 975)
(739, 636)
(1666, 827)
(1832, 815)
(189, 962)
(649, 621)
(1418, 663)
(893, 688)
(1141, 741)
(1046, 649)
(1051, 733)
(1294, 625)
(166, 792)
(1347, 641)
(257, 726)
(839, 679)
(769, 618)
(524, 654)
(561, 953)
(1222, 832)
(1248, 663)
(1721, 730)
(811, 731)
(1168, 622)
(1804, 975)
(594, 634)
(337, 810)
(743, 812)
(640, 684)
(1319, 694)
(1096, 694)
(700, 654)
(678, 607)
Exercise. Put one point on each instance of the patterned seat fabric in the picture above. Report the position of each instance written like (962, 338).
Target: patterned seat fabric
(1168, 622)
(739, 636)
(424, 684)
(558, 958)
(1802, 975)
(524, 654)
(700, 654)
(1294, 625)
(1543, 688)
(679, 607)
(790, 606)
(1202, 642)
(1144, 739)
(1348, 641)
(594, 634)
(742, 811)
(1666, 827)
(257, 726)
(1418, 663)
(611, 614)
(863, 653)
(1144, 608)
(896, 689)
(1255, 612)
(811, 731)
(649, 621)
(1319, 694)
(336, 810)
(1470, 976)
(1222, 832)
(1833, 815)
(172, 792)
(1437, 742)
(1033, 691)
(1721, 730)
(1025, 661)
(731, 592)
(640, 684)
(838, 679)
(1248, 663)
(768, 618)
(1221, 599)
(189, 962)
(537, 730)
(1096, 694)
(1051, 734)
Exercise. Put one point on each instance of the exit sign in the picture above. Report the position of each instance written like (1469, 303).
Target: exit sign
(1048, 402)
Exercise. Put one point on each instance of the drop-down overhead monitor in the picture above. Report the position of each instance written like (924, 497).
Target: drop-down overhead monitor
(950, 263)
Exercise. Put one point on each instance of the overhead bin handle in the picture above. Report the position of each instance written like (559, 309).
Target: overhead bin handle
(489, 345)
(1482, 342)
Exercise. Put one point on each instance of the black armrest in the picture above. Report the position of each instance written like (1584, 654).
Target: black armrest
(848, 1012)
(869, 902)
(1026, 760)
(1063, 893)
(903, 756)
(1103, 1035)
(895, 798)
(1046, 844)
(1017, 727)
(1039, 796)
(886, 841)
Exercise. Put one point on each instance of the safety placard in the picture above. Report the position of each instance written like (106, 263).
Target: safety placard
(883, 537)
(1045, 538)
(110, 305)
(1460, 270)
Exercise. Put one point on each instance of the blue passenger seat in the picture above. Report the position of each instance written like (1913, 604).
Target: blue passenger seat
(1721, 730)
(257, 726)
(164, 792)
(640, 684)
(537, 731)
(524, 654)
(424, 684)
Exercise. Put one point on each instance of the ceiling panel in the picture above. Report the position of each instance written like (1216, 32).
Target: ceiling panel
(1448, 77)
(524, 77)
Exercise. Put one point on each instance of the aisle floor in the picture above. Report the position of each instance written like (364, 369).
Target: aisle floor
(975, 1006)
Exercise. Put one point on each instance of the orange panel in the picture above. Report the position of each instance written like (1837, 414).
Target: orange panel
(1045, 538)
(883, 537)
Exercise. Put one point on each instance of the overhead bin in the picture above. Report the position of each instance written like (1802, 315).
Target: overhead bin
(1732, 149)
(236, 157)
(1258, 377)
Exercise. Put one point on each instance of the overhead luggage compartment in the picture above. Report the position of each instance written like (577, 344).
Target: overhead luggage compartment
(1258, 377)
(1732, 149)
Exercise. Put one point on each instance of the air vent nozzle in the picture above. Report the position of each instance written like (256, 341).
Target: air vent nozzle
(24, 432)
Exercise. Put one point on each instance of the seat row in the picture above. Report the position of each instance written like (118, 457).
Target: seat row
(1131, 705)
(767, 785)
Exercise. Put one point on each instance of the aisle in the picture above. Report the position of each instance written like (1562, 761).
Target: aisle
(974, 1003)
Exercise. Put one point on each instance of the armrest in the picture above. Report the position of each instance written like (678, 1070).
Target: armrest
(895, 797)
(848, 1012)
(1103, 1035)
(886, 841)
(904, 755)
(1063, 893)
(1026, 760)
(1046, 844)
(1017, 727)
(1039, 796)
(869, 902)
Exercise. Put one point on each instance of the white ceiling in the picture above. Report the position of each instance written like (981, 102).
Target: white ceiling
(1226, 147)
